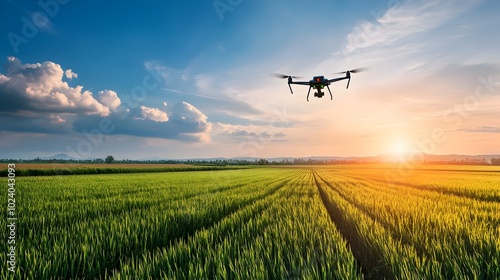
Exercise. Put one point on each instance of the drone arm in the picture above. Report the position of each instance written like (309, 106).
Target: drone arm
(331, 96)
(290, 88)
(338, 79)
(348, 77)
(309, 91)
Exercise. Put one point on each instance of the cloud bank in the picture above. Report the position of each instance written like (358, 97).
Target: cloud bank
(35, 98)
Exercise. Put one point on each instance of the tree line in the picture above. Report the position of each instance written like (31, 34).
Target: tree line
(295, 161)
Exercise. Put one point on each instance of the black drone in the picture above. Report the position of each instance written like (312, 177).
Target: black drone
(319, 82)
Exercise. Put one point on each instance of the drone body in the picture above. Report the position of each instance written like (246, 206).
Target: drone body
(318, 83)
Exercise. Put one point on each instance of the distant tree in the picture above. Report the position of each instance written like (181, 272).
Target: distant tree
(495, 161)
(109, 159)
(285, 161)
(262, 161)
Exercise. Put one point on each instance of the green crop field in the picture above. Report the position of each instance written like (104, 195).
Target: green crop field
(308, 222)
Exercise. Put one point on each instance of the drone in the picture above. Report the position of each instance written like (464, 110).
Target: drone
(319, 82)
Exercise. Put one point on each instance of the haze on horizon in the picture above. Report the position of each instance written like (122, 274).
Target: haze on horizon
(191, 79)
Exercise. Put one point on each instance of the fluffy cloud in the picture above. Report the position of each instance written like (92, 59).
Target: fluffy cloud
(186, 111)
(153, 114)
(70, 74)
(186, 123)
(110, 99)
(38, 88)
(190, 122)
(34, 98)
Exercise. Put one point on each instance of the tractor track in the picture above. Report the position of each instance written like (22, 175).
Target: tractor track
(370, 267)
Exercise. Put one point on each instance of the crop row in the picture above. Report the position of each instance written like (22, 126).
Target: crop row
(481, 183)
(287, 235)
(239, 224)
(414, 231)
(265, 223)
(109, 220)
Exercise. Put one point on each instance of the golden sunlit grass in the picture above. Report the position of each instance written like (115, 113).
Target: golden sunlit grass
(432, 221)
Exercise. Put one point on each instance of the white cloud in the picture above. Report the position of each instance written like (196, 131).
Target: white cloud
(70, 74)
(110, 99)
(38, 88)
(191, 122)
(153, 114)
(187, 111)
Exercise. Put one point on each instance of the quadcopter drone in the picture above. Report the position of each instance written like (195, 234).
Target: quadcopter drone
(319, 82)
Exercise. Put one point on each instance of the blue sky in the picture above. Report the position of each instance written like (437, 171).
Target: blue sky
(184, 79)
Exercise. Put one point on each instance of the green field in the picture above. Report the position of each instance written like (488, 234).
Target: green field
(321, 222)
(56, 169)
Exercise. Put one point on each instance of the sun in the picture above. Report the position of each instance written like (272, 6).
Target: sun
(399, 148)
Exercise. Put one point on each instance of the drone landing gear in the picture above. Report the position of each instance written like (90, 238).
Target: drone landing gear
(331, 96)
(319, 94)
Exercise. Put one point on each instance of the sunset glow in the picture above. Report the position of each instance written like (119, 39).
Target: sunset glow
(400, 148)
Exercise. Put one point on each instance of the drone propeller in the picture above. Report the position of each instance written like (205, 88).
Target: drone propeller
(281, 76)
(348, 74)
(357, 70)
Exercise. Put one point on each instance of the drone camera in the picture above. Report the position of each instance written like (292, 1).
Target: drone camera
(319, 94)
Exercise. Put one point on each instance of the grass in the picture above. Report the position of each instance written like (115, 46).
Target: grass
(96, 165)
(56, 169)
(433, 224)
(324, 222)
